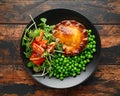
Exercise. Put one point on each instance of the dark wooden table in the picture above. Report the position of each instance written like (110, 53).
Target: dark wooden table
(104, 14)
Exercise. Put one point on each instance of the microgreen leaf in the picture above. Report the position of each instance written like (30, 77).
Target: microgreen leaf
(29, 35)
(36, 68)
(58, 45)
(30, 64)
(27, 54)
(43, 20)
(51, 74)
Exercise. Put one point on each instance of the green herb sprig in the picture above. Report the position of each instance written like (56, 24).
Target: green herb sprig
(29, 35)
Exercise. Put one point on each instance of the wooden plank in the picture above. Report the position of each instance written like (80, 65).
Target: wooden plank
(110, 42)
(6, 74)
(22, 76)
(10, 36)
(105, 82)
(99, 12)
(110, 55)
(109, 35)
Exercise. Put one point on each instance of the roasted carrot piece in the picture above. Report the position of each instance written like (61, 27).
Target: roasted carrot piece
(39, 38)
(37, 48)
(51, 47)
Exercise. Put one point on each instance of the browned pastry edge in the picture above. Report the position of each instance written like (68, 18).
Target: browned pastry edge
(73, 35)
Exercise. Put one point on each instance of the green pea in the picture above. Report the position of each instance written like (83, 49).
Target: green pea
(94, 50)
(54, 74)
(84, 65)
(57, 76)
(76, 64)
(66, 73)
(87, 47)
(79, 65)
(61, 75)
(82, 62)
(88, 60)
(85, 61)
(90, 46)
(70, 67)
(63, 56)
(83, 68)
(59, 55)
(67, 64)
(94, 46)
(72, 61)
(74, 74)
(61, 78)
(59, 70)
(88, 34)
(78, 73)
(89, 31)
(93, 36)
(56, 61)
(75, 68)
(90, 56)
(94, 42)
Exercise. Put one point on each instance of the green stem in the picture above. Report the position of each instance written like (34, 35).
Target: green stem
(39, 75)
(29, 27)
(33, 21)
(59, 51)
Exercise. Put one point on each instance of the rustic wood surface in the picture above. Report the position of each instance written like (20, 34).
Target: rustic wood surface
(15, 81)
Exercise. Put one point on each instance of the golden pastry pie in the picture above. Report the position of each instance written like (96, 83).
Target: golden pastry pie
(72, 34)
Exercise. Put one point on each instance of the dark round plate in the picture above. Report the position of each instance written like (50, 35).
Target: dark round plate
(53, 17)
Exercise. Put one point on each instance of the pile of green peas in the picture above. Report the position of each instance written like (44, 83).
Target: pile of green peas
(65, 66)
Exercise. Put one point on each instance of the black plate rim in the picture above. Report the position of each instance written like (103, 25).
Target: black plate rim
(99, 41)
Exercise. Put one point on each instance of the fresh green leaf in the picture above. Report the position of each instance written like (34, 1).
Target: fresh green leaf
(58, 45)
(23, 42)
(30, 35)
(51, 74)
(27, 54)
(43, 20)
(30, 64)
(36, 33)
(36, 68)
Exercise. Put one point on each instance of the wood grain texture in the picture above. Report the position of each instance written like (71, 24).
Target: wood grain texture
(105, 81)
(14, 79)
(102, 83)
(6, 74)
(98, 12)
(10, 36)
(109, 35)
